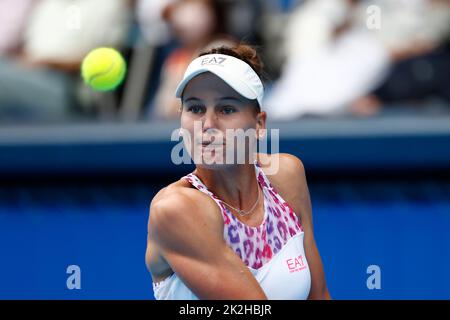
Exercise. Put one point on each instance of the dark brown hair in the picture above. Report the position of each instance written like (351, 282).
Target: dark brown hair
(243, 52)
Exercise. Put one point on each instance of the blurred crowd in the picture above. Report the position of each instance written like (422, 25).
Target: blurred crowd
(322, 57)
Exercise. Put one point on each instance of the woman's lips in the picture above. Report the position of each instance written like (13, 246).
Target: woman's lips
(211, 146)
(204, 146)
(205, 143)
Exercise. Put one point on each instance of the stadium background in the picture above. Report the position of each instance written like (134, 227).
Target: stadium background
(76, 191)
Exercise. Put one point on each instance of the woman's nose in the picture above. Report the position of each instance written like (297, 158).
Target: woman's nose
(209, 120)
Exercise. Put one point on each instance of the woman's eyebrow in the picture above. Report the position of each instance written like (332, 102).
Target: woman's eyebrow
(192, 99)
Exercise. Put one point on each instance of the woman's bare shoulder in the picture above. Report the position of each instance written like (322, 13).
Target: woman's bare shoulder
(179, 215)
(179, 190)
(287, 175)
(281, 165)
(179, 204)
(164, 207)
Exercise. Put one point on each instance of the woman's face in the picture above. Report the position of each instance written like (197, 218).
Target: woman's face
(221, 124)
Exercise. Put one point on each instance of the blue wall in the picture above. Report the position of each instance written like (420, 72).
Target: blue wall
(400, 226)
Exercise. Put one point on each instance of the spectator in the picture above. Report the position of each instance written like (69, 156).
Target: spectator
(149, 15)
(344, 66)
(196, 24)
(13, 17)
(330, 61)
(417, 37)
(40, 82)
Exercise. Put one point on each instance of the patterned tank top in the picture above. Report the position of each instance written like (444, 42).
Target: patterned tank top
(273, 251)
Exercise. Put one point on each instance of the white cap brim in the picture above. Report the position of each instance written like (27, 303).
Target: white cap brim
(235, 72)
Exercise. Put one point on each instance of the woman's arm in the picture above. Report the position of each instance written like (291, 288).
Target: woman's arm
(189, 234)
(297, 195)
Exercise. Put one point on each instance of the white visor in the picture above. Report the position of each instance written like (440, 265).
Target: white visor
(235, 72)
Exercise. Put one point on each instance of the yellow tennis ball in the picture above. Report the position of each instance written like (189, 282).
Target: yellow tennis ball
(103, 69)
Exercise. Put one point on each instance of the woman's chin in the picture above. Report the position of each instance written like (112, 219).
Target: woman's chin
(211, 160)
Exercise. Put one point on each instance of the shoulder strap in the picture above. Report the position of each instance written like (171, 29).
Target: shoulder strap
(198, 184)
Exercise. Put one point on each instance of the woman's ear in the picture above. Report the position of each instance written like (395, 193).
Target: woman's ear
(261, 124)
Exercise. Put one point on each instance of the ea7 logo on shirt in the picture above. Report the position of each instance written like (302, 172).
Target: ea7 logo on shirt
(213, 60)
(296, 264)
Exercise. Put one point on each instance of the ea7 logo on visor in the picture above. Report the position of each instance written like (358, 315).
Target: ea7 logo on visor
(213, 60)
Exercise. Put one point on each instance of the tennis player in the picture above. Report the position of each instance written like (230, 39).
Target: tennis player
(232, 230)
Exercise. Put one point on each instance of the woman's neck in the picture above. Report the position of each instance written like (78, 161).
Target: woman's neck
(236, 185)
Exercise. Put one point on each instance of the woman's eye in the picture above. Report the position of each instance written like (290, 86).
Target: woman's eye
(228, 109)
(195, 109)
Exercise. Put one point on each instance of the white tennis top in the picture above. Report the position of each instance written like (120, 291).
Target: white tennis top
(273, 251)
